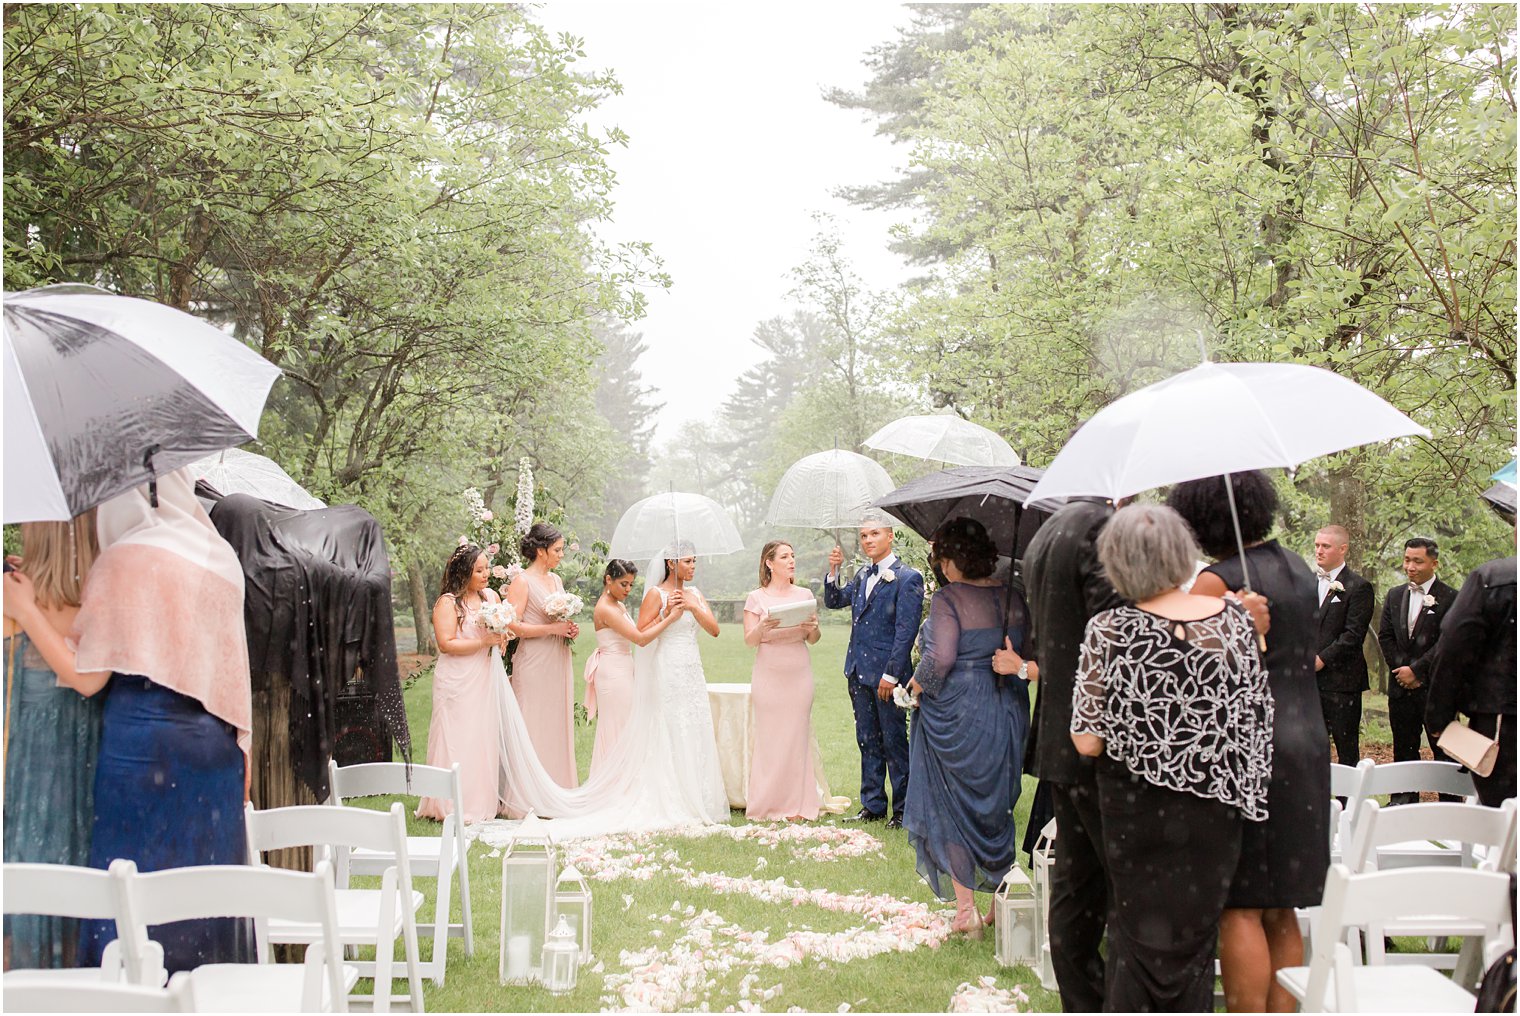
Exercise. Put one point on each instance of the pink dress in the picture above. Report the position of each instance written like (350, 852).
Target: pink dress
(782, 783)
(466, 726)
(543, 681)
(609, 691)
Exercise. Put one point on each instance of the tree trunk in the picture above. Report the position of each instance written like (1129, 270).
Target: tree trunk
(422, 612)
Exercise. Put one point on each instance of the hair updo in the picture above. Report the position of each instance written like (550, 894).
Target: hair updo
(618, 568)
(965, 541)
(541, 536)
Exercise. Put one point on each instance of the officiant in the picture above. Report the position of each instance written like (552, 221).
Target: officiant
(886, 601)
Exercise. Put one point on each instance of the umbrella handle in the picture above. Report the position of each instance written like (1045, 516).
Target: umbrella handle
(1240, 546)
(147, 460)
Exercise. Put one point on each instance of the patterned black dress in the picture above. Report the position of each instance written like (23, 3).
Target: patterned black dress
(1186, 718)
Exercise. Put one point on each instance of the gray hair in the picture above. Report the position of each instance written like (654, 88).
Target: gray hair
(1146, 549)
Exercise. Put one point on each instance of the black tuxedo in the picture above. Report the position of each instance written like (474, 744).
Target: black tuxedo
(1344, 617)
(1401, 648)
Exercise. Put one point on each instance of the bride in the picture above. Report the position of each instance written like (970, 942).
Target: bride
(663, 770)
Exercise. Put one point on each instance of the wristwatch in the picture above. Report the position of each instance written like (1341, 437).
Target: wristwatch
(1023, 674)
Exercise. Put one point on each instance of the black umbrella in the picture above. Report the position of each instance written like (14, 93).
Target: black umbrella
(1502, 497)
(993, 495)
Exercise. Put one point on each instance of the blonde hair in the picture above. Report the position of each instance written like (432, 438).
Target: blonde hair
(57, 556)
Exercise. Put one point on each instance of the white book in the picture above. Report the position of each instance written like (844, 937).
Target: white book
(790, 615)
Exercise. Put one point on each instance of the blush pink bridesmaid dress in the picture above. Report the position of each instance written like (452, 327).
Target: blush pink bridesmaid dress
(543, 681)
(465, 727)
(609, 691)
(782, 783)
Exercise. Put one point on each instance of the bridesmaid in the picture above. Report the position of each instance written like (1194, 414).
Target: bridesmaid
(52, 739)
(782, 783)
(609, 668)
(465, 726)
(541, 668)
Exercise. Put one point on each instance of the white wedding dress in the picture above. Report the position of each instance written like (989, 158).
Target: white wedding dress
(662, 773)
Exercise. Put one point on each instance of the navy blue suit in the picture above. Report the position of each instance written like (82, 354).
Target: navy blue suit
(883, 629)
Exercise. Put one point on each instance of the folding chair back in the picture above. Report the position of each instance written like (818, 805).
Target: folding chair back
(1469, 825)
(325, 825)
(1423, 776)
(62, 890)
(257, 892)
(64, 996)
(1346, 780)
(431, 856)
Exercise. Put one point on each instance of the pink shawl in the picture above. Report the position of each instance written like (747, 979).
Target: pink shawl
(164, 600)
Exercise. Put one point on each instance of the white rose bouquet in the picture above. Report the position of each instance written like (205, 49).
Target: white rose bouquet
(496, 617)
(563, 606)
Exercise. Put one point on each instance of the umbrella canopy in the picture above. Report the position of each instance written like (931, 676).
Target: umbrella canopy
(235, 471)
(103, 392)
(1502, 497)
(993, 495)
(829, 490)
(1506, 475)
(658, 525)
(944, 437)
(1219, 418)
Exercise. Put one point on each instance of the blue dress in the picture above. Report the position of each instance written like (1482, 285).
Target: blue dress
(967, 742)
(169, 794)
(53, 736)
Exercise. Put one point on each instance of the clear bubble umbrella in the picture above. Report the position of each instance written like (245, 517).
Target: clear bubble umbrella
(674, 523)
(833, 491)
(944, 437)
(235, 471)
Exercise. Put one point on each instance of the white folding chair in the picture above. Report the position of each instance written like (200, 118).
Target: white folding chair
(320, 984)
(85, 996)
(1345, 782)
(1332, 982)
(366, 917)
(62, 890)
(1409, 777)
(431, 856)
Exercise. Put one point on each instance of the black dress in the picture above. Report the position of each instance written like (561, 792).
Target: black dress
(1284, 859)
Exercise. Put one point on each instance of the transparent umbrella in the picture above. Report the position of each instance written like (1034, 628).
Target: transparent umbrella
(831, 490)
(665, 522)
(235, 471)
(944, 437)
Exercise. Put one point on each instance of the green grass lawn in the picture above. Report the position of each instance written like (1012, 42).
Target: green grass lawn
(632, 915)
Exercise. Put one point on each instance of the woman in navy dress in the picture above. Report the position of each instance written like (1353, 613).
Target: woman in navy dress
(968, 734)
(160, 629)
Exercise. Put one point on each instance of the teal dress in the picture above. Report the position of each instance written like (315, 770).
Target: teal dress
(52, 740)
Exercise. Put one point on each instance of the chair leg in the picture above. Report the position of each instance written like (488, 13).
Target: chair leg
(385, 950)
(436, 967)
(464, 897)
(413, 966)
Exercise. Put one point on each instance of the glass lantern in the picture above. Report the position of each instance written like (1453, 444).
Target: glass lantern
(528, 865)
(1016, 919)
(572, 903)
(1044, 856)
(561, 959)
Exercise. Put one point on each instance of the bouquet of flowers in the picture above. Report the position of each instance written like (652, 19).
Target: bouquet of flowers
(903, 698)
(496, 617)
(563, 606)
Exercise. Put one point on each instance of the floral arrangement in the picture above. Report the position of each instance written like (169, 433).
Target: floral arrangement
(522, 515)
(497, 616)
(902, 699)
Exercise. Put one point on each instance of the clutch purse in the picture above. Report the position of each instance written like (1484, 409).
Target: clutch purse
(1472, 749)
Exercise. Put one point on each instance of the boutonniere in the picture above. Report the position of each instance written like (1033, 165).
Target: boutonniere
(1428, 600)
(1336, 587)
(887, 575)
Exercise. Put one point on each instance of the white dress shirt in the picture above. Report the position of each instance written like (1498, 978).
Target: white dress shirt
(884, 564)
(1329, 577)
(1417, 601)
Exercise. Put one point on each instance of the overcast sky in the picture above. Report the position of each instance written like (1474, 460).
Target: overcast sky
(732, 150)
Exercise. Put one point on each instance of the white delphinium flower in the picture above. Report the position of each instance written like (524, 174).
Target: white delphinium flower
(523, 519)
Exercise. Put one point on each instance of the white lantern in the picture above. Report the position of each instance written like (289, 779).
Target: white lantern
(1015, 917)
(1044, 856)
(528, 865)
(561, 959)
(572, 903)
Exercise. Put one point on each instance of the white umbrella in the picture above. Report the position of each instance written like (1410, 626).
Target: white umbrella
(829, 490)
(104, 392)
(663, 523)
(944, 437)
(1216, 419)
(235, 471)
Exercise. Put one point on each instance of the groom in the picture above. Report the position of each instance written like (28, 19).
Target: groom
(886, 600)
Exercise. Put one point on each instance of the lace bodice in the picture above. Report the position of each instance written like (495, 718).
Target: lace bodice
(1183, 705)
(683, 628)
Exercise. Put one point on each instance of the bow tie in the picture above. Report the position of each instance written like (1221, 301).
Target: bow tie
(1415, 590)
(871, 571)
(1321, 574)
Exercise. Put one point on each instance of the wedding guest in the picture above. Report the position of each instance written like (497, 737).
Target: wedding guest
(1345, 613)
(1407, 634)
(1172, 701)
(782, 782)
(1066, 586)
(160, 629)
(1283, 860)
(609, 668)
(466, 725)
(1474, 671)
(52, 738)
(542, 678)
(886, 601)
(968, 733)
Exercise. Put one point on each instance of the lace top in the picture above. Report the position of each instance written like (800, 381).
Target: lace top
(1182, 705)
